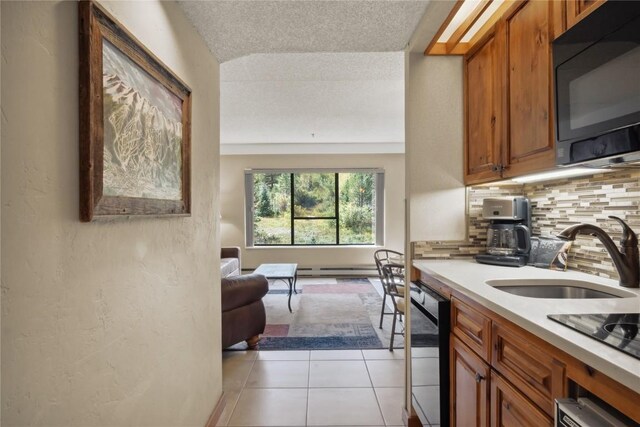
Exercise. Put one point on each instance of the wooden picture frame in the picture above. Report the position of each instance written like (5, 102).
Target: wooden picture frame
(135, 125)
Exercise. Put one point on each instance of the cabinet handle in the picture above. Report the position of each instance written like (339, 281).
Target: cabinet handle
(498, 168)
(479, 378)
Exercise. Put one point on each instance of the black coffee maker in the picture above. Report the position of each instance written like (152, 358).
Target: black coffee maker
(509, 232)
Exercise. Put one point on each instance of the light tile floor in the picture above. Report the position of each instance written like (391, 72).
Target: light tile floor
(319, 387)
(313, 388)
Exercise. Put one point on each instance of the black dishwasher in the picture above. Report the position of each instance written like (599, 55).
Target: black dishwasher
(430, 326)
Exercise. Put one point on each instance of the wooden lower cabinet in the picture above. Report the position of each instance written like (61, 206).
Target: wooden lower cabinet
(472, 327)
(509, 407)
(469, 387)
(481, 397)
(503, 375)
(535, 372)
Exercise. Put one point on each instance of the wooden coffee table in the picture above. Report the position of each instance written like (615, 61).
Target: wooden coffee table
(286, 272)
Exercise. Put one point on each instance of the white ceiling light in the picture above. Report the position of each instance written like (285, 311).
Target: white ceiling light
(493, 7)
(558, 173)
(462, 14)
(468, 22)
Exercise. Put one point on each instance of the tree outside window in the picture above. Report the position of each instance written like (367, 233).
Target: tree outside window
(315, 208)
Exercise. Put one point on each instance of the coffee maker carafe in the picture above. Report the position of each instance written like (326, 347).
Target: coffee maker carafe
(509, 232)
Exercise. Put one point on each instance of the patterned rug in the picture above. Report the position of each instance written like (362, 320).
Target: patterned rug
(328, 313)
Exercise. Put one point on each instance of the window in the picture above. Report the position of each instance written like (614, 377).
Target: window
(314, 207)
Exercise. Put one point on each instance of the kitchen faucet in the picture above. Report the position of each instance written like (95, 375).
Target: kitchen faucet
(626, 259)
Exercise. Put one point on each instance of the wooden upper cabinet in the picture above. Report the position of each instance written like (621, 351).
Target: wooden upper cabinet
(483, 111)
(578, 9)
(509, 94)
(470, 378)
(529, 95)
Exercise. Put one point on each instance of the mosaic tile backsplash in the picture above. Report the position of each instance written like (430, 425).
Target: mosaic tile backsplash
(556, 205)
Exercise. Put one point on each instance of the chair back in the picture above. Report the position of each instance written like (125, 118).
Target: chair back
(394, 278)
(384, 257)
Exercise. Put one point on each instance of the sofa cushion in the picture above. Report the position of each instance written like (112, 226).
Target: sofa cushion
(228, 266)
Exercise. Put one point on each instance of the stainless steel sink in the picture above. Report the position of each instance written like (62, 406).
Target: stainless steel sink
(557, 289)
(555, 292)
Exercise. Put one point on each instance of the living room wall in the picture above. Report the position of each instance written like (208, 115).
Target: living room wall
(233, 214)
(434, 137)
(116, 322)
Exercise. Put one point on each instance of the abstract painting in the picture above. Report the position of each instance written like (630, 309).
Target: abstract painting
(134, 125)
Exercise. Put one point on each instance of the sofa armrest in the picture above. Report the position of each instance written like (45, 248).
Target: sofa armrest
(239, 291)
(232, 252)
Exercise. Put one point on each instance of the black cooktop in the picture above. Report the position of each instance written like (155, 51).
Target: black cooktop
(619, 330)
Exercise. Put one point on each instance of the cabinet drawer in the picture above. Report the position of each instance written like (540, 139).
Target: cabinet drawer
(472, 327)
(510, 408)
(538, 375)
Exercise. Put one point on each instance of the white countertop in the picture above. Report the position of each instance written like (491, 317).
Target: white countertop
(468, 277)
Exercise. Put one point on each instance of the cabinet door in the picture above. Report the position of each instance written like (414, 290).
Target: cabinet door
(531, 142)
(510, 408)
(527, 366)
(483, 111)
(469, 387)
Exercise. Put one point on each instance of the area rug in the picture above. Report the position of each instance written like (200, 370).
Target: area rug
(329, 313)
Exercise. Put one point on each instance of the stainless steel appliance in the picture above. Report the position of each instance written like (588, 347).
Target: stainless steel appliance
(430, 327)
(597, 90)
(586, 412)
(618, 330)
(509, 232)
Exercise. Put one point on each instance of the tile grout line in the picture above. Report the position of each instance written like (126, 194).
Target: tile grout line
(242, 389)
(253, 363)
(306, 414)
(384, 422)
(378, 402)
(233, 409)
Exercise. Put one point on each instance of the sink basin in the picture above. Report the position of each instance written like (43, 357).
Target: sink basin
(557, 289)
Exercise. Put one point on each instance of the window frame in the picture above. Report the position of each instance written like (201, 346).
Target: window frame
(249, 207)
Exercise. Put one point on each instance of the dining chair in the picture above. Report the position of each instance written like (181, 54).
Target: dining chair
(384, 257)
(394, 284)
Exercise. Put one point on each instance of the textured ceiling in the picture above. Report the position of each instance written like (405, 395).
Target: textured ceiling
(342, 102)
(309, 76)
(237, 28)
(315, 67)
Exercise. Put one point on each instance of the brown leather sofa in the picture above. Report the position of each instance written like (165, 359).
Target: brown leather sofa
(243, 314)
(230, 264)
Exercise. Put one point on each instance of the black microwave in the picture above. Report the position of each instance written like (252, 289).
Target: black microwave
(597, 87)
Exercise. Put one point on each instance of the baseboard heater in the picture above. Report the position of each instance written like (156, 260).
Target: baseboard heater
(359, 271)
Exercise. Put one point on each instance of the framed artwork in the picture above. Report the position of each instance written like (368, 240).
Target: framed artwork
(135, 125)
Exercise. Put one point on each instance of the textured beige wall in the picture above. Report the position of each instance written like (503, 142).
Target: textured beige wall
(114, 323)
(1, 120)
(434, 141)
(232, 196)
